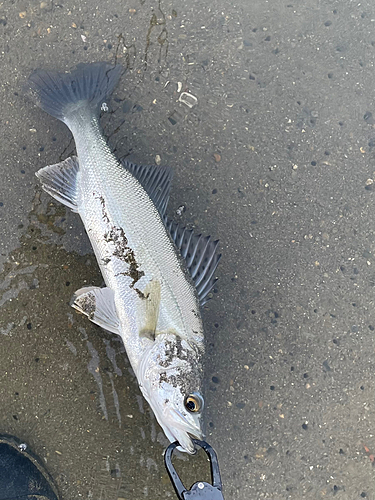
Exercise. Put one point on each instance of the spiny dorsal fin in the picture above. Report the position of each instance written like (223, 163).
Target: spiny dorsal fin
(155, 179)
(200, 254)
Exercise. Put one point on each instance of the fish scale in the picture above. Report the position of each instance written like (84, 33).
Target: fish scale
(179, 304)
(106, 182)
(150, 299)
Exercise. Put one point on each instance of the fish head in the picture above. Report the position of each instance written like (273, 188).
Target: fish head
(170, 377)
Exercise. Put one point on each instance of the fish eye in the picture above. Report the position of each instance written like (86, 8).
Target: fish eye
(193, 403)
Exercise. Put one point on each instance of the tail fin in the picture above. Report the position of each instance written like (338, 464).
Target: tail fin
(62, 94)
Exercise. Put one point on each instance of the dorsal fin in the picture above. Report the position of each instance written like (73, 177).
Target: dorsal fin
(200, 254)
(155, 179)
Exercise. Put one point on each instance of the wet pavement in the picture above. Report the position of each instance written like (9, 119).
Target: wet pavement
(275, 156)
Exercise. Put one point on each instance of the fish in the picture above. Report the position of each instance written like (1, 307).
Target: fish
(157, 273)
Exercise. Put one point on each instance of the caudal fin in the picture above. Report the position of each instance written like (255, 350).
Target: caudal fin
(63, 94)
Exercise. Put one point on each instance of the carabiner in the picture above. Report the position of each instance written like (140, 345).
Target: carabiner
(200, 490)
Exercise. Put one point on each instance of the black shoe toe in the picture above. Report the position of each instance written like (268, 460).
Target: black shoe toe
(22, 474)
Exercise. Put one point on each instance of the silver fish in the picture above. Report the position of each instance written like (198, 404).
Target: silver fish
(157, 274)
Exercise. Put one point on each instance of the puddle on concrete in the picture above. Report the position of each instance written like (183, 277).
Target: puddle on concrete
(66, 386)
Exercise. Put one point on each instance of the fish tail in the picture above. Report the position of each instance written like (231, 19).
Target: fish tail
(62, 95)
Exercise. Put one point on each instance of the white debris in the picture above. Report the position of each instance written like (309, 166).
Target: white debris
(189, 99)
(7, 329)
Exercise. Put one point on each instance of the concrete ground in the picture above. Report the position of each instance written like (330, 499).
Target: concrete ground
(277, 159)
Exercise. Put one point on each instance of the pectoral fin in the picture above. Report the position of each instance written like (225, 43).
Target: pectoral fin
(98, 304)
(148, 307)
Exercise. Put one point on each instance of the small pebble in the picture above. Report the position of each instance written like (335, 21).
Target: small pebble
(180, 210)
(157, 159)
(22, 14)
(369, 182)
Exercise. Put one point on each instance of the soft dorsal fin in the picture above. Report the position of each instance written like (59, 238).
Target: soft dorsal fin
(200, 254)
(155, 179)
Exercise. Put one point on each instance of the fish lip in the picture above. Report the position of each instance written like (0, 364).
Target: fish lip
(186, 423)
(184, 433)
(185, 441)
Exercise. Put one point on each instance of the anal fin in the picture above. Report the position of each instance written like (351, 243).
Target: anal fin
(98, 304)
(60, 181)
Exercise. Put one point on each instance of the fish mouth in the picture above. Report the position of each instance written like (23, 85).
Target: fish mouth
(176, 426)
(183, 432)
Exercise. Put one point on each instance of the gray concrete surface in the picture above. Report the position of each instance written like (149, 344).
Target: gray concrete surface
(277, 160)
